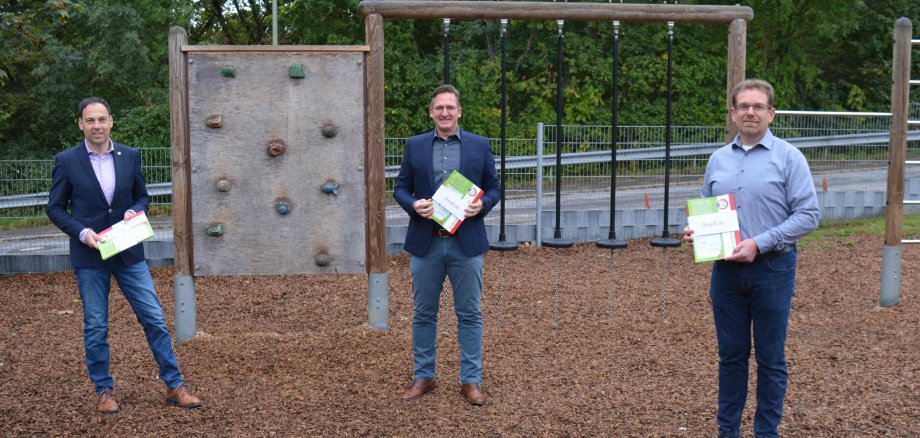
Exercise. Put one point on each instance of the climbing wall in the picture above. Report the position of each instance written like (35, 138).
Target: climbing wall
(277, 162)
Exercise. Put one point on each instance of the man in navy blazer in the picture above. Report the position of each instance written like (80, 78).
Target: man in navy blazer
(95, 185)
(435, 253)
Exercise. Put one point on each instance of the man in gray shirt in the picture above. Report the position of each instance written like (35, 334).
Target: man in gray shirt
(751, 290)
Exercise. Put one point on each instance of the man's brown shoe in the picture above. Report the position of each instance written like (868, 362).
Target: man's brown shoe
(473, 393)
(419, 388)
(107, 403)
(182, 397)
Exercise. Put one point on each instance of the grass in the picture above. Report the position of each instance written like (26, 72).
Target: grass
(839, 231)
(34, 220)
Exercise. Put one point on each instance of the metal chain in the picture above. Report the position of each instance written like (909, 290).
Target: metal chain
(664, 285)
(610, 289)
(501, 289)
(556, 287)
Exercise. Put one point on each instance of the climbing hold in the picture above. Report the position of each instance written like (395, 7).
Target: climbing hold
(296, 71)
(214, 121)
(216, 230)
(223, 185)
(275, 147)
(283, 207)
(330, 130)
(228, 72)
(331, 188)
(322, 259)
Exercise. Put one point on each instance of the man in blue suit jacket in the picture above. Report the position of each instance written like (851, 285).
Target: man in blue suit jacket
(435, 253)
(100, 182)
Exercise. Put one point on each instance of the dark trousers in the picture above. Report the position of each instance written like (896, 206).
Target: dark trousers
(752, 299)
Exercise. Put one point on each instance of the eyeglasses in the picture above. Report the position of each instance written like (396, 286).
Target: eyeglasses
(440, 108)
(758, 108)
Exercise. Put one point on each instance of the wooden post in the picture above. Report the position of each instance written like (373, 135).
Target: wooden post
(897, 151)
(897, 146)
(378, 283)
(183, 283)
(181, 162)
(737, 59)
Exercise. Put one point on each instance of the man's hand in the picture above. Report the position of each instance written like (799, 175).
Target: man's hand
(424, 208)
(472, 209)
(688, 235)
(744, 252)
(92, 240)
(128, 214)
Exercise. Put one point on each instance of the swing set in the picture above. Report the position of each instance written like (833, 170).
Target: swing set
(375, 11)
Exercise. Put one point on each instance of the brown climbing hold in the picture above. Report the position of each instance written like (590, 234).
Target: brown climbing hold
(214, 121)
(275, 147)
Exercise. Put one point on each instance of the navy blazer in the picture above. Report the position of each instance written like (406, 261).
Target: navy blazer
(416, 181)
(74, 187)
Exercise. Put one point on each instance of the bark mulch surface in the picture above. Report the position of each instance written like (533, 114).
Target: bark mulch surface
(293, 355)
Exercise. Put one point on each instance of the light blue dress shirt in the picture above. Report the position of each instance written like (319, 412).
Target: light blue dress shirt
(773, 188)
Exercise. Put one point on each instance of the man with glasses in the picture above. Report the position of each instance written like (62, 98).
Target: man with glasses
(751, 290)
(94, 185)
(435, 253)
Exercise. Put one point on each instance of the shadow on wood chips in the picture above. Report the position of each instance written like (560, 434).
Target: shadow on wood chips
(293, 355)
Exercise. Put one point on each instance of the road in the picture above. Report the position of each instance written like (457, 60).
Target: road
(48, 240)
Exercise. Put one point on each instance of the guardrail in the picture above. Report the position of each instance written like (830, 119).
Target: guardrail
(570, 158)
(41, 198)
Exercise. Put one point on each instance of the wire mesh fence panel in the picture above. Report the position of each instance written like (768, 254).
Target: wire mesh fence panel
(24, 186)
(847, 152)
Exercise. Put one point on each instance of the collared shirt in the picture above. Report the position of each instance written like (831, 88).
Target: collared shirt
(773, 187)
(445, 156)
(104, 167)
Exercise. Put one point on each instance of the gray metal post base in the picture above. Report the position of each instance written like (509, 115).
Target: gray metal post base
(891, 276)
(184, 294)
(378, 301)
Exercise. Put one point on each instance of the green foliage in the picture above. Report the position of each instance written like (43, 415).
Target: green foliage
(144, 127)
(820, 55)
(104, 48)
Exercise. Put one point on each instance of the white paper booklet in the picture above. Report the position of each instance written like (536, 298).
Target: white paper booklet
(124, 235)
(714, 222)
(454, 195)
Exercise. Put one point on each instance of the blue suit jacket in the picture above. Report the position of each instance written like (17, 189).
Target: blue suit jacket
(416, 181)
(74, 187)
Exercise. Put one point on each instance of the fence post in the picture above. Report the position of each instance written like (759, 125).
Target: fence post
(539, 201)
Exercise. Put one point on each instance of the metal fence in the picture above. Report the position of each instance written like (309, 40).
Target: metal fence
(846, 152)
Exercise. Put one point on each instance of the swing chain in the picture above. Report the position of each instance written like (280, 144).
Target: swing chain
(556, 287)
(501, 289)
(664, 285)
(610, 289)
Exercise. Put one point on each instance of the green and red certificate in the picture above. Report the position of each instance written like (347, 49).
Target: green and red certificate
(452, 198)
(714, 222)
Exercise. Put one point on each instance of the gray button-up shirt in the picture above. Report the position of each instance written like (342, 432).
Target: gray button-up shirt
(445, 156)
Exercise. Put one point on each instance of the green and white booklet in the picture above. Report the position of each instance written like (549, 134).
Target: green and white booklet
(454, 195)
(714, 222)
(124, 235)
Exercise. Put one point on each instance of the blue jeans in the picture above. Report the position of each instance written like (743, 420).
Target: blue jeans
(137, 287)
(445, 257)
(758, 296)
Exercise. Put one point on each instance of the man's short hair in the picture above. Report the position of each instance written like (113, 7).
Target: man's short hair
(446, 88)
(89, 101)
(753, 84)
